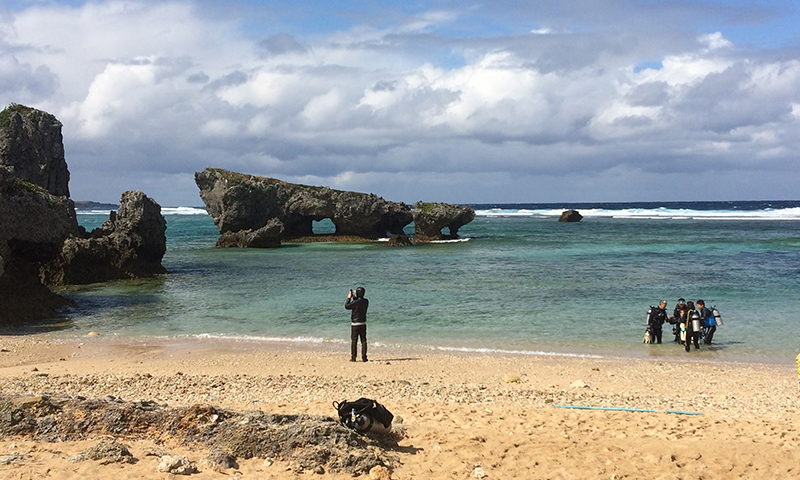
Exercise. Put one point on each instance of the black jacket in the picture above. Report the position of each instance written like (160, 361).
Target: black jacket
(358, 308)
(657, 317)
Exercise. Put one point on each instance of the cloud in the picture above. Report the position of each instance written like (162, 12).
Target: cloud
(152, 89)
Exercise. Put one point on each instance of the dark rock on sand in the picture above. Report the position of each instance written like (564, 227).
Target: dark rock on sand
(313, 443)
(221, 460)
(430, 218)
(570, 216)
(105, 452)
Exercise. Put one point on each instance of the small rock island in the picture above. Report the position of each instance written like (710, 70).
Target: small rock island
(261, 212)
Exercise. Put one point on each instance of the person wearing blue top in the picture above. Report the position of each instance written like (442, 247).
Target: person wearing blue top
(357, 305)
(707, 318)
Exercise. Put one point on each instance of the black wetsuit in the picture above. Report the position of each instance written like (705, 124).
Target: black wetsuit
(691, 335)
(705, 315)
(657, 318)
(676, 321)
(358, 325)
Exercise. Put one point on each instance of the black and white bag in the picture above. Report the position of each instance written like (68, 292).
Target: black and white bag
(364, 415)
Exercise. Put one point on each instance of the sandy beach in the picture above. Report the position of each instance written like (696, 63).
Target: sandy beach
(458, 416)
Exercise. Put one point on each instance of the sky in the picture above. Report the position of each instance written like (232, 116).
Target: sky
(485, 101)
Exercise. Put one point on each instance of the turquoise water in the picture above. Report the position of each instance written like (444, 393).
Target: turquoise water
(521, 282)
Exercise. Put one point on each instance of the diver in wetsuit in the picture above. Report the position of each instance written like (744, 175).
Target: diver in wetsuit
(658, 315)
(707, 319)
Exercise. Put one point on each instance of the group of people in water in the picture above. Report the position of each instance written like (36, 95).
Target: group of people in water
(690, 322)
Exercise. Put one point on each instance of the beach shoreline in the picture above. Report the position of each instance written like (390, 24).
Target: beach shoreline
(460, 412)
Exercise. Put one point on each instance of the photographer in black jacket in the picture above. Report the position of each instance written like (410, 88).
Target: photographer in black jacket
(357, 305)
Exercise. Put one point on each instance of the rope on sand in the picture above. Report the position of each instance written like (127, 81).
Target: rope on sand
(625, 409)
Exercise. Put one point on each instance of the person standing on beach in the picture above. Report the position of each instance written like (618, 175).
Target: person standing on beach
(357, 305)
(658, 316)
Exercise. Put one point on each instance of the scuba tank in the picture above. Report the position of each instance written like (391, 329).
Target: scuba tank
(697, 326)
(717, 316)
(647, 318)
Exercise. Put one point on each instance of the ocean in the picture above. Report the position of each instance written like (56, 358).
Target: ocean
(517, 282)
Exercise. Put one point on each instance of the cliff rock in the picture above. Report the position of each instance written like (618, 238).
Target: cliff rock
(130, 244)
(40, 239)
(247, 202)
(31, 143)
(33, 225)
(430, 218)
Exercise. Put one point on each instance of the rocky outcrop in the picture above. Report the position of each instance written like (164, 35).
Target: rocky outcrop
(240, 202)
(243, 206)
(130, 244)
(570, 216)
(399, 241)
(31, 143)
(430, 218)
(33, 226)
(312, 443)
(268, 236)
(41, 244)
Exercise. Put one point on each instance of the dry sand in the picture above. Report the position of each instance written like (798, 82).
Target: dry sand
(461, 414)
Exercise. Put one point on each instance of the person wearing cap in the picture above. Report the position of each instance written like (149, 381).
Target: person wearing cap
(658, 315)
(678, 317)
(357, 305)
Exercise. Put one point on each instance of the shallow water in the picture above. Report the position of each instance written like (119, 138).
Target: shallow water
(522, 283)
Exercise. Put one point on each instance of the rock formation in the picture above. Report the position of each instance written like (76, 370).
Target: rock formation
(130, 244)
(244, 205)
(313, 443)
(31, 143)
(431, 218)
(33, 225)
(240, 202)
(38, 225)
(399, 241)
(570, 216)
(268, 236)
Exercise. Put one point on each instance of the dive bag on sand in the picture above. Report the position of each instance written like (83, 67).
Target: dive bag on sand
(364, 415)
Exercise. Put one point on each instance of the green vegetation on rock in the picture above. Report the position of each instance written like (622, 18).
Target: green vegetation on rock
(5, 115)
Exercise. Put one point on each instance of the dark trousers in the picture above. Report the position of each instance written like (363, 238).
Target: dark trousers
(709, 334)
(357, 331)
(655, 334)
(692, 337)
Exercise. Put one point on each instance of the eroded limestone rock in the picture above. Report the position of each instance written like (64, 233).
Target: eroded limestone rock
(130, 244)
(430, 218)
(31, 143)
(243, 204)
